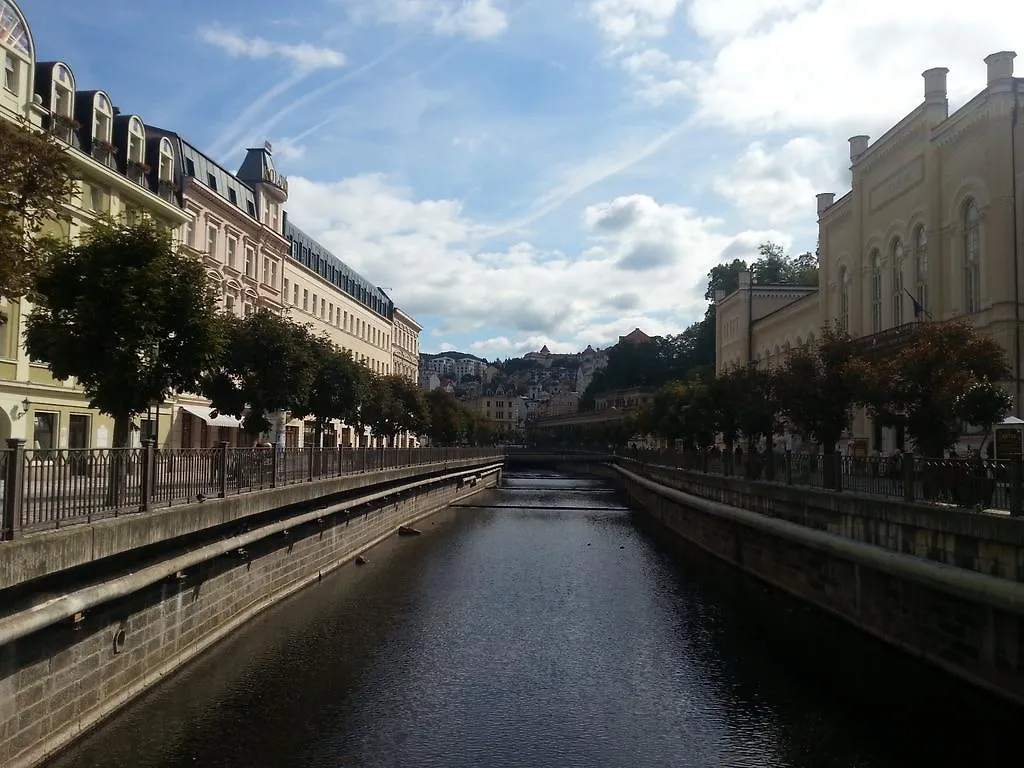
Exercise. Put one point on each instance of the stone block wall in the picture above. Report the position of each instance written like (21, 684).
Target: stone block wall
(966, 623)
(983, 542)
(58, 682)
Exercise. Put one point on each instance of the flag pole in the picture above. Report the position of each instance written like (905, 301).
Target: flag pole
(918, 309)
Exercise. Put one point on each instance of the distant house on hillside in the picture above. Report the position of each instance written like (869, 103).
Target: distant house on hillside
(636, 336)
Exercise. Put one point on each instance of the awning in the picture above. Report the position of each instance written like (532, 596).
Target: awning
(207, 415)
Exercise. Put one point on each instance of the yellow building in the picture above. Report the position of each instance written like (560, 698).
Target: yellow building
(122, 171)
(405, 346)
(933, 218)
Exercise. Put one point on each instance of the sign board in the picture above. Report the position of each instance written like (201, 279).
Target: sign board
(1008, 443)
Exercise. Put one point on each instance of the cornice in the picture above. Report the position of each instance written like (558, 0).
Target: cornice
(910, 128)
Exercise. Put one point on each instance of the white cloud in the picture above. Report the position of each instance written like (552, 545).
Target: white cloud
(303, 55)
(777, 187)
(475, 19)
(625, 21)
(288, 150)
(647, 264)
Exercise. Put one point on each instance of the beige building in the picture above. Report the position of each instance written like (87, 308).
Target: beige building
(405, 345)
(932, 220)
(123, 170)
(506, 413)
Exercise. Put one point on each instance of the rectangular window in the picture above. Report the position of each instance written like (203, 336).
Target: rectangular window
(266, 271)
(232, 251)
(316, 304)
(273, 274)
(284, 289)
(233, 196)
(62, 101)
(189, 234)
(248, 309)
(211, 241)
(323, 308)
(295, 296)
(250, 262)
(98, 200)
(229, 304)
(211, 181)
(44, 431)
(78, 431)
(10, 73)
(305, 300)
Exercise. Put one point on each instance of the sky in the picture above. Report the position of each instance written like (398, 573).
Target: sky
(517, 173)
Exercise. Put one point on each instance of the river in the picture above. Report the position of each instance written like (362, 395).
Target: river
(545, 626)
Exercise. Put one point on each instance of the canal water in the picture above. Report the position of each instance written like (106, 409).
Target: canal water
(546, 626)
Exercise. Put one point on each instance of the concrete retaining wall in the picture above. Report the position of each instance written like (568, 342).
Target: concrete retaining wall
(59, 681)
(988, 543)
(965, 622)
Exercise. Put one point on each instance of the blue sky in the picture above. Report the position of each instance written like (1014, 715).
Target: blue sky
(528, 172)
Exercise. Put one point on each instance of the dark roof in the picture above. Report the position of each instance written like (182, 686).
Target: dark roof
(314, 256)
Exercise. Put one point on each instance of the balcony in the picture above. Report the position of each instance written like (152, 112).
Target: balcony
(888, 341)
(63, 128)
(103, 152)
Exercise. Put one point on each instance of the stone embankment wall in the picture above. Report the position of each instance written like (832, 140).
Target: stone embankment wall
(60, 680)
(962, 620)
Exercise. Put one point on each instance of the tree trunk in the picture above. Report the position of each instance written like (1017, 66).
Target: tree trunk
(120, 461)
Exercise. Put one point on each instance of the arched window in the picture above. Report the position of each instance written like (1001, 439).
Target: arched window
(876, 291)
(63, 100)
(102, 119)
(136, 141)
(844, 300)
(897, 283)
(921, 267)
(972, 258)
(166, 161)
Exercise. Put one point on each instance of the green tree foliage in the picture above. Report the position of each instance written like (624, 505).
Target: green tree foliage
(36, 183)
(126, 314)
(392, 405)
(337, 388)
(447, 424)
(942, 378)
(819, 386)
(268, 364)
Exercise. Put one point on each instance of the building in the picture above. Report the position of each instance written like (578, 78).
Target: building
(506, 413)
(235, 228)
(405, 345)
(323, 292)
(123, 170)
(933, 218)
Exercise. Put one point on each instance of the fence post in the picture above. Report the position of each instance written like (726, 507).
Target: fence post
(14, 476)
(908, 476)
(148, 458)
(838, 469)
(273, 465)
(789, 467)
(1016, 486)
(222, 469)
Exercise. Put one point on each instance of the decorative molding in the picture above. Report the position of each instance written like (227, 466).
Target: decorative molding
(910, 175)
(910, 128)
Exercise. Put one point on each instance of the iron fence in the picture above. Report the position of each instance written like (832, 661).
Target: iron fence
(965, 482)
(51, 489)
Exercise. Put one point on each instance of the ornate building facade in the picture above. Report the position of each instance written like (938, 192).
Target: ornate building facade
(123, 170)
(931, 229)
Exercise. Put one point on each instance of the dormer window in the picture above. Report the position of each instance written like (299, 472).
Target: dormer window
(166, 161)
(63, 104)
(136, 141)
(102, 119)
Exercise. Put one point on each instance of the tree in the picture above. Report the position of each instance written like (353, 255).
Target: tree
(775, 267)
(446, 423)
(268, 364)
(337, 387)
(941, 379)
(36, 183)
(757, 406)
(818, 387)
(392, 405)
(126, 314)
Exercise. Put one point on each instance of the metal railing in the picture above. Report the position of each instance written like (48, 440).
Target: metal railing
(51, 489)
(970, 482)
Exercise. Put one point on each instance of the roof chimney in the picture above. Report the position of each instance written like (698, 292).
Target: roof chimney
(1000, 66)
(935, 84)
(858, 146)
(825, 199)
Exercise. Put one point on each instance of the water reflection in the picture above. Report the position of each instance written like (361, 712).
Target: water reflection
(548, 629)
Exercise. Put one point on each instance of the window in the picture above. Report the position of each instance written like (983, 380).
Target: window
(972, 258)
(921, 267)
(248, 309)
(876, 292)
(250, 262)
(266, 270)
(897, 283)
(211, 181)
(99, 201)
(136, 141)
(166, 160)
(295, 298)
(102, 118)
(232, 251)
(284, 289)
(233, 196)
(229, 304)
(211, 240)
(10, 73)
(323, 308)
(188, 233)
(44, 431)
(63, 90)
(305, 300)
